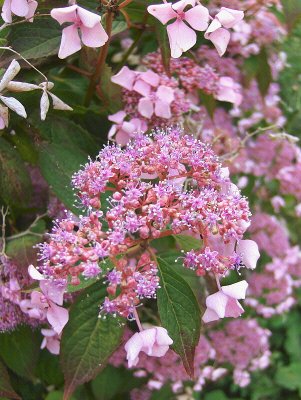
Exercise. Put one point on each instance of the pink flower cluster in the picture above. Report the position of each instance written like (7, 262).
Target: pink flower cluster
(159, 185)
(189, 16)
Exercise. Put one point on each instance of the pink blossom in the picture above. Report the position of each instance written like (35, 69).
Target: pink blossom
(122, 131)
(51, 341)
(228, 90)
(224, 302)
(181, 32)
(141, 82)
(46, 304)
(157, 103)
(20, 8)
(218, 32)
(154, 342)
(92, 33)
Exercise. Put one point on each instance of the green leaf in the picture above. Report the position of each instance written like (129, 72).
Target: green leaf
(36, 40)
(161, 34)
(15, 183)
(48, 369)
(118, 27)
(21, 250)
(289, 376)
(5, 385)
(88, 341)
(179, 312)
(110, 92)
(216, 395)
(114, 381)
(264, 75)
(208, 101)
(20, 349)
(292, 12)
(187, 242)
(58, 163)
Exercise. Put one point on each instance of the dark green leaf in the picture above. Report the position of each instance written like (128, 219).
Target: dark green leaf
(5, 385)
(15, 183)
(20, 349)
(289, 377)
(179, 312)
(187, 242)
(88, 341)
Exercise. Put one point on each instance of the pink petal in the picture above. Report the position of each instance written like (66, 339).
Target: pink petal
(142, 87)
(181, 38)
(64, 14)
(237, 290)
(48, 332)
(94, 37)
(57, 317)
(163, 12)
(128, 127)
(162, 337)
(159, 351)
(180, 5)
(122, 138)
(198, 17)
(88, 18)
(209, 316)
(133, 347)
(35, 274)
(148, 337)
(214, 26)
(19, 7)
(150, 77)
(70, 42)
(32, 6)
(38, 300)
(220, 38)
(53, 291)
(228, 17)
(145, 107)
(233, 309)
(53, 346)
(6, 12)
(217, 302)
(249, 252)
(165, 94)
(140, 125)
(162, 109)
(117, 117)
(112, 132)
(125, 78)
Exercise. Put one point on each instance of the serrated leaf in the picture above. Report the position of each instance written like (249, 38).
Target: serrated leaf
(19, 350)
(179, 313)
(88, 341)
(15, 183)
(58, 163)
(5, 385)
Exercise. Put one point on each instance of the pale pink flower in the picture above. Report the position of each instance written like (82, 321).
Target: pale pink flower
(181, 32)
(51, 341)
(122, 131)
(154, 342)
(141, 82)
(92, 33)
(277, 203)
(224, 303)
(20, 8)
(218, 32)
(229, 90)
(46, 304)
(157, 103)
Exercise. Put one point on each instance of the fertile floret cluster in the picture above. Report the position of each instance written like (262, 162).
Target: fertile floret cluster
(159, 185)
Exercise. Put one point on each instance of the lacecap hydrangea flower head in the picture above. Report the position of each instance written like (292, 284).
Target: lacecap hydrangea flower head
(164, 184)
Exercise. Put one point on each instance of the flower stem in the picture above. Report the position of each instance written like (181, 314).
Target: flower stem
(96, 77)
(137, 320)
